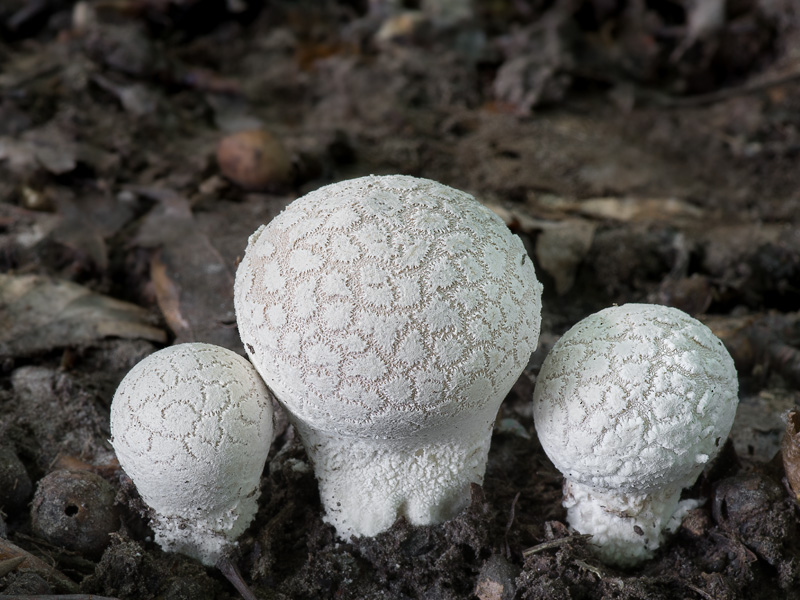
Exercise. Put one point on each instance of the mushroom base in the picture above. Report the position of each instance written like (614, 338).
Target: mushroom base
(206, 539)
(626, 528)
(366, 484)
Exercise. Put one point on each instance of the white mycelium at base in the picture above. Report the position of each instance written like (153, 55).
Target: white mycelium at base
(630, 405)
(626, 528)
(191, 426)
(390, 315)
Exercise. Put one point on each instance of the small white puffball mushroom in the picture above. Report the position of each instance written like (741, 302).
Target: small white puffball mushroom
(630, 405)
(390, 315)
(191, 426)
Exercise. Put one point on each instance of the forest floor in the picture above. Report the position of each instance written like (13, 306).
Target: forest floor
(644, 150)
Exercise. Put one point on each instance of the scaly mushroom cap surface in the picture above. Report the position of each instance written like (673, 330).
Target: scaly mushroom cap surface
(384, 305)
(630, 405)
(191, 426)
(635, 397)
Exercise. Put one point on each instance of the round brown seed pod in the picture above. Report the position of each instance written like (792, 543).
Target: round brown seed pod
(254, 160)
(75, 510)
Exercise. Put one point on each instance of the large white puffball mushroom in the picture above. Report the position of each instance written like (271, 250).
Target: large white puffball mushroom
(191, 426)
(630, 405)
(390, 315)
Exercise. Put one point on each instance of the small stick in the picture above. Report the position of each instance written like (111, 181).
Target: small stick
(752, 87)
(232, 574)
(510, 523)
(603, 575)
(554, 543)
(698, 591)
(591, 568)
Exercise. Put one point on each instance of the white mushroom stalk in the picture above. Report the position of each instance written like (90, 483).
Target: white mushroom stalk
(191, 426)
(390, 315)
(630, 405)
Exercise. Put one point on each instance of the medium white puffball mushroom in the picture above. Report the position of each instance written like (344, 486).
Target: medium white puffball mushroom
(390, 315)
(630, 405)
(191, 426)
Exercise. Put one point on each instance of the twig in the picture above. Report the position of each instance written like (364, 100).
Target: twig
(591, 568)
(554, 544)
(698, 591)
(232, 574)
(603, 575)
(747, 89)
(511, 516)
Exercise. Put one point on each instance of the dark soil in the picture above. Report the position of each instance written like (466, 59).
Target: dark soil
(643, 150)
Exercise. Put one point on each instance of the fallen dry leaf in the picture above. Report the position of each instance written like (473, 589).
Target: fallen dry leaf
(168, 297)
(517, 219)
(42, 313)
(29, 562)
(53, 148)
(88, 221)
(561, 247)
(47, 146)
(790, 452)
(19, 154)
(193, 283)
(136, 98)
(24, 228)
(638, 209)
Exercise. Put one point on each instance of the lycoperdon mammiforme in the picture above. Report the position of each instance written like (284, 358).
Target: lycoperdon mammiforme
(631, 404)
(390, 315)
(191, 426)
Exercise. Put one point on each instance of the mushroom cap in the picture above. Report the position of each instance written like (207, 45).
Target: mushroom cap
(386, 305)
(191, 426)
(634, 398)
